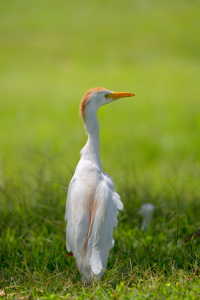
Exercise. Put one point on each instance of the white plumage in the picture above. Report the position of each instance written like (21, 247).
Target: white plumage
(92, 203)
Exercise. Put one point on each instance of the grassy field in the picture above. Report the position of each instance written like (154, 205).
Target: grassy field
(51, 53)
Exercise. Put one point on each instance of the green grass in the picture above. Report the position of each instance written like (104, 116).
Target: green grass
(163, 262)
(51, 53)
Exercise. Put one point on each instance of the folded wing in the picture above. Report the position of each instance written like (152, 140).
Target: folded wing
(91, 217)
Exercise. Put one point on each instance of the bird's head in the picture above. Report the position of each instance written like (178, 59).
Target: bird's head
(96, 97)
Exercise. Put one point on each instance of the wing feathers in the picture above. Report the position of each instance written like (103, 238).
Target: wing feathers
(117, 201)
(91, 218)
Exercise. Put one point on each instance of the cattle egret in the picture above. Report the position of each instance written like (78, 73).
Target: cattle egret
(92, 203)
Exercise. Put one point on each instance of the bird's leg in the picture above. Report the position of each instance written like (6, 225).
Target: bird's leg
(69, 254)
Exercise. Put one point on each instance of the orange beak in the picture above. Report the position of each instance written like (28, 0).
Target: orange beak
(117, 95)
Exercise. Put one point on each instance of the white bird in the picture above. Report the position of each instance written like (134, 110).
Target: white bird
(92, 203)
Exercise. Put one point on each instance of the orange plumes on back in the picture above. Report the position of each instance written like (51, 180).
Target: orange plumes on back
(86, 99)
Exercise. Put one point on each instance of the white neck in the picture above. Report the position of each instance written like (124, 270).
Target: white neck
(91, 149)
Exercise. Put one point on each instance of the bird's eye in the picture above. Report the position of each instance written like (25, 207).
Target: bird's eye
(106, 95)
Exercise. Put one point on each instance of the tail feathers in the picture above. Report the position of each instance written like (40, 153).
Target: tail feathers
(89, 274)
(95, 261)
(92, 267)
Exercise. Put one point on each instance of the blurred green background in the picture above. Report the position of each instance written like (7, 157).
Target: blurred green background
(52, 52)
